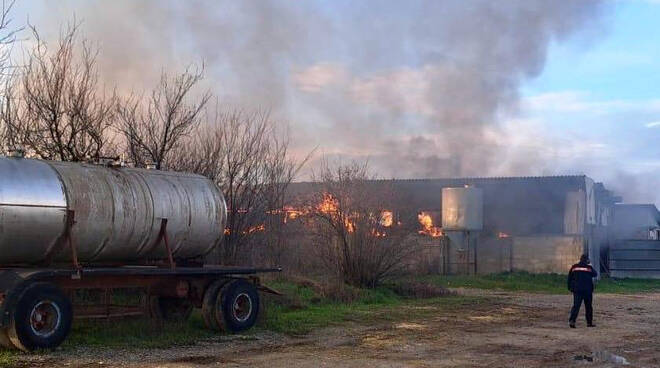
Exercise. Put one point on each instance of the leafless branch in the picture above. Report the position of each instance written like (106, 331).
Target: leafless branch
(354, 240)
(245, 154)
(153, 127)
(7, 37)
(56, 108)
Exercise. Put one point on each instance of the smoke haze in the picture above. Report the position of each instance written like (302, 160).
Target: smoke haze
(420, 88)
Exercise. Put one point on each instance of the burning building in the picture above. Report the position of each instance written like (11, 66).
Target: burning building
(534, 224)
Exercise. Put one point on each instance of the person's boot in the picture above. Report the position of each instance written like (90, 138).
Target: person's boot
(571, 324)
(590, 324)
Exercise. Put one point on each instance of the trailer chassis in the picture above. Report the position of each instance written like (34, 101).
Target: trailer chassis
(37, 309)
(170, 293)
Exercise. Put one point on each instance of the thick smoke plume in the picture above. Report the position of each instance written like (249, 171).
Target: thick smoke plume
(418, 87)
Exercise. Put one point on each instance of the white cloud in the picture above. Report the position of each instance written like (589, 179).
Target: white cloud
(533, 134)
(319, 76)
(653, 124)
(581, 101)
(565, 101)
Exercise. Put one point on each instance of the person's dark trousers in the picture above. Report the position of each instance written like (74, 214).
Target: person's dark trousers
(578, 297)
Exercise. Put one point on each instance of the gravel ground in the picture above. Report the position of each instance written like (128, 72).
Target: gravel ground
(510, 330)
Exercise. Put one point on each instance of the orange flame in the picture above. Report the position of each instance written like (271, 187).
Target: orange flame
(250, 230)
(386, 218)
(291, 213)
(328, 205)
(427, 225)
(254, 229)
(349, 225)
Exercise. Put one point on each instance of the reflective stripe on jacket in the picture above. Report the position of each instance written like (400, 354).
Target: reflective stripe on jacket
(580, 278)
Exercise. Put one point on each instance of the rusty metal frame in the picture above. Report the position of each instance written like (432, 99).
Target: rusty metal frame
(66, 240)
(68, 237)
(108, 311)
(159, 281)
(162, 237)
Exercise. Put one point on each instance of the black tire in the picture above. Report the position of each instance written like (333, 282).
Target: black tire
(5, 342)
(42, 318)
(239, 303)
(209, 310)
(170, 309)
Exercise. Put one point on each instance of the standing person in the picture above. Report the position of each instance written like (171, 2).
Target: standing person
(581, 284)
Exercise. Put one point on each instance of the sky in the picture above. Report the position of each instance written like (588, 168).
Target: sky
(605, 92)
(418, 88)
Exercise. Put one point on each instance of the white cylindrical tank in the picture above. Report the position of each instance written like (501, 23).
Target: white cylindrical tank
(462, 209)
(117, 212)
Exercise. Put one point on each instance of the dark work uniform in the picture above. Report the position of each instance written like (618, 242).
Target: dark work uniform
(580, 282)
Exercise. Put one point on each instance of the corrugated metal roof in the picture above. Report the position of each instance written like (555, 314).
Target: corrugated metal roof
(640, 206)
(481, 178)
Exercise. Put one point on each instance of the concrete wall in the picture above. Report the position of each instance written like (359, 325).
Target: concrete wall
(494, 255)
(546, 254)
(575, 212)
(536, 254)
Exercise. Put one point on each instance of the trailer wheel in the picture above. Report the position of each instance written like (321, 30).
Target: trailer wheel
(41, 319)
(210, 311)
(240, 305)
(170, 309)
(5, 342)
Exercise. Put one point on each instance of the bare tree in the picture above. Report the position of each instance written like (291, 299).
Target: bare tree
(246, 155)
(7, 40)
(8, 109)
(7, 37)
(357, 234)
(281, 170)
(56, 108)
(153, 128)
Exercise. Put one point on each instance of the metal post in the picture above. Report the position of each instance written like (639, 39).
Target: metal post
(510, 240)
(162, 236)
(475, 253)
(69, 237)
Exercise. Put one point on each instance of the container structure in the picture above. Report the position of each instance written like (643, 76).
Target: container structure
(118, 212)
(462, 209)
(66, 227)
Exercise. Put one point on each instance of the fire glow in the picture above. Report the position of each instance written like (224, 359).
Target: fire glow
(328, 205)
(386, 218)
(427, 225)
(255, 229)
(250, 230)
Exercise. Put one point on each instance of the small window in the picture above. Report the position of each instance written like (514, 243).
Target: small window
(654, 234)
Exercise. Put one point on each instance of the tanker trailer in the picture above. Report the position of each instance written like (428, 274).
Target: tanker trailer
(68, 226)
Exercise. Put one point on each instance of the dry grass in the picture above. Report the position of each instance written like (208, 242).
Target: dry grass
(331, 289)
(420, 289)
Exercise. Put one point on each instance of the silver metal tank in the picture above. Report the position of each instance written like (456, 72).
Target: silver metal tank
(118, 212)
(462, 209)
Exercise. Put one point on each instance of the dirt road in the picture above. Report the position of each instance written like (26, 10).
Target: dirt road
(508, 330)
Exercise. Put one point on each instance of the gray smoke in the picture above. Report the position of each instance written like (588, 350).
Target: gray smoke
(418, 87)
